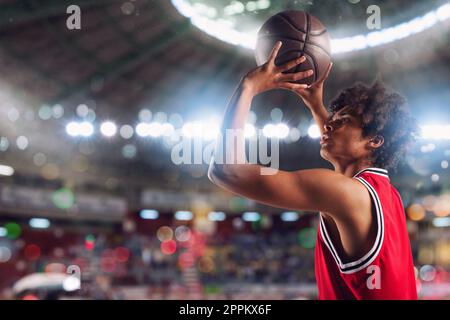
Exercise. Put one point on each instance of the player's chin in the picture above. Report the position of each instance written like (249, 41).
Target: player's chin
(325, 152)
(328, 151)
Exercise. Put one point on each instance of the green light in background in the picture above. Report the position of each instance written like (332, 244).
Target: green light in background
(212, 289)
(13, 230)
(307, 238)
(63, 198)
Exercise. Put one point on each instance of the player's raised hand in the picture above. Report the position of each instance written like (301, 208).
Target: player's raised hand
(313, 95)
(270, 76)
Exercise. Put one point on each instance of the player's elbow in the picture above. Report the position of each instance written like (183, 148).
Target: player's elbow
(219, 174)
(215, 173)
(212, 173)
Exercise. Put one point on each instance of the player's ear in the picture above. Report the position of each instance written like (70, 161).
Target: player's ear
(376, 141)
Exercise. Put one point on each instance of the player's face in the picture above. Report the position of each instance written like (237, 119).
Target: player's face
(342, 141)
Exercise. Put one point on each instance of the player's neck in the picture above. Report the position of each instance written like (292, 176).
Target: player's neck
(350, 169)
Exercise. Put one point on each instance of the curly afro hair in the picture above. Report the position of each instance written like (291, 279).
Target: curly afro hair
(382, 113)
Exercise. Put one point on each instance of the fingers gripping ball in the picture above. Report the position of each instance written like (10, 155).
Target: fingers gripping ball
(301, 34)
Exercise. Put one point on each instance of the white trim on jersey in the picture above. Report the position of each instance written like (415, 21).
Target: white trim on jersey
(355, 266)
(378, 171)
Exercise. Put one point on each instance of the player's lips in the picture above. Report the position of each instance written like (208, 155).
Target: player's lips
(324, 138)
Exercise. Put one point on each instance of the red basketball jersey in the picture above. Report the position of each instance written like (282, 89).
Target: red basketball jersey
(387, 270)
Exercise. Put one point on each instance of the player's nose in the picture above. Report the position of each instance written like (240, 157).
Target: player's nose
(328, 127)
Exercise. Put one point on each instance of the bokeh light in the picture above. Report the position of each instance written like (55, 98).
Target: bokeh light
(5, 254)
(164, 233)
(89, 242)
(427, 273)
(307, 238)
(108, 128)
(63, 198)
(168, 247)
(182, 233)
(416, 212)
(122, 254)
(314, 131)
(206, 265)
(186, 260)
(32, 252)
(13, 230)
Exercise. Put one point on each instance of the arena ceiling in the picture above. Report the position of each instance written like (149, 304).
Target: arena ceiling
(135, 55)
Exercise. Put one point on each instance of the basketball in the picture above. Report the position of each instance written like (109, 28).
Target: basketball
(301, 34)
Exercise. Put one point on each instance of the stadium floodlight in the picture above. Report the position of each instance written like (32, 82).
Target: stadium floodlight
(225, 30)
(313, 131)
(441, 222)
(149, 214)
(183, 215)
(85, 129)
(6, 170)
(108, 128)
(142, 129)
(39, 223)
(251, 216)
(436, 132)
(216, 216)
(289, 216)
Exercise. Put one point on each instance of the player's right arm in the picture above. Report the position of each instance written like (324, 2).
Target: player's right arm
(313, 99)
(310, 190)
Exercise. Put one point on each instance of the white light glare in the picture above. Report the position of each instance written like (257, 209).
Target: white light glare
(216, 216)
(142, 129)
(251, 216)
(167, 129)
(108, 129)
(313, 131)
(224, 29)
(436, 132)
(155, 129)
(441, 222)
(71, 283)
(84, 129)
(183, 215)
(249, 130)
(443, 12)
(282, 130)
(196, 129)
(72, 129)
(6, 170)
(279, 130)
(149, 214)
(269, 130)
(39, 223)
(289, 216)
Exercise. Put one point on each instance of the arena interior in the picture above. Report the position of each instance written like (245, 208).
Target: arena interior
(95, 204)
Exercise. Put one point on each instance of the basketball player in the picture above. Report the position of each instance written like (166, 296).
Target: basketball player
(362, 249)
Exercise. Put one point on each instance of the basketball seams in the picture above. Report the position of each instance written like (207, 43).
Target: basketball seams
(303, 34)
(308, 29)
(314, 33)
(317, 33)
(290, 23)
(282, 37)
